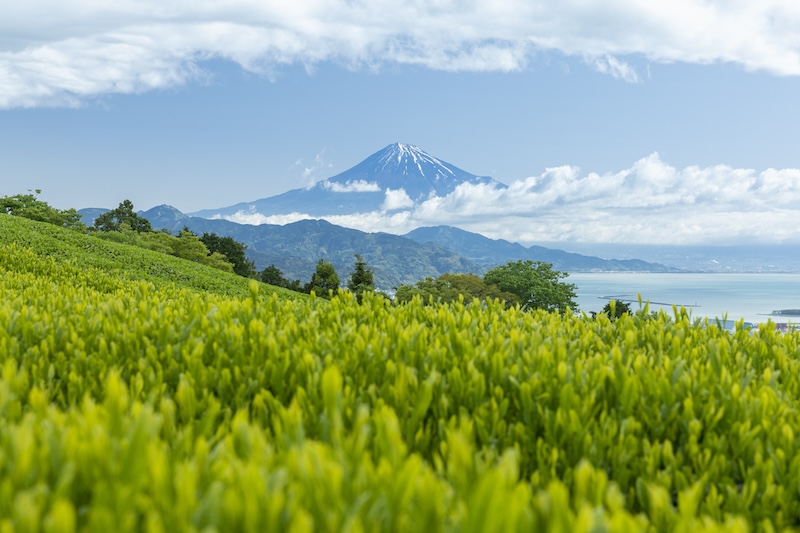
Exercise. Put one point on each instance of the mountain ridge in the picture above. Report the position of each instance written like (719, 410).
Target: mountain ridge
(297, 247)
(490, 252)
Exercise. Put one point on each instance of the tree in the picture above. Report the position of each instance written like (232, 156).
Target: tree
(233, 252)
(536, 285)
(124, 214)
(273, 275)
(361, 280)
(448, 287)
(29, 206)
(323, 280)
(615, 309)
(187, 245)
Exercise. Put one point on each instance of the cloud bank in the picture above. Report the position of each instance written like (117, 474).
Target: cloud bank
(650, 202)
(54, 53)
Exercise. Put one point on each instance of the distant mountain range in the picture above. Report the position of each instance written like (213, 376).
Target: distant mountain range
(396, 260)
(397, 177)
(296, 248)
(752, 258)
(489, 252)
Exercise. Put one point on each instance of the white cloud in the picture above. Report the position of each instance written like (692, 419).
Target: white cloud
(613, 66)
(56, 53)
(650, 202)
(397, 199)
(256, 219)
(352, 186)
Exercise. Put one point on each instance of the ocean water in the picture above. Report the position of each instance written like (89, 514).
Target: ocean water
(751, 297)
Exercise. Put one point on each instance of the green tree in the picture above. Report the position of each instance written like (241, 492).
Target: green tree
(448, 287)
(29, 206)
(124, 214)
(187, 245)
(233, 251)
(324, 280)
(361, 280)
(273, 275)
(615, 309)
(535, 284)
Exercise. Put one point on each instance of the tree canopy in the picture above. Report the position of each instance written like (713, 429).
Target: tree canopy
(233, 251)
(535, 284)
(124, 214)
(614, 309)
(29, 206)
(361, 280)
(273, 275)
(448, 287)
(323, 280)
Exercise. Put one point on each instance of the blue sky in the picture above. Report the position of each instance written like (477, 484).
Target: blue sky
(613, 121)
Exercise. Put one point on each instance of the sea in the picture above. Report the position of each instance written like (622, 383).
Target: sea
(752, 298)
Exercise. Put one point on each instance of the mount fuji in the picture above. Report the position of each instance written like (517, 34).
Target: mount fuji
(397, 177)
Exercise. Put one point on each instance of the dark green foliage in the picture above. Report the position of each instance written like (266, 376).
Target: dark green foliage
(233, 252)
(124, 215)
(536, 285)
(29, 206)
(361, 280)
(324, 281)
(449, 287)
(273, 275)
(614, 309)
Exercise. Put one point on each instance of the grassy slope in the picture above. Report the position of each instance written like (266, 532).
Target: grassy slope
(121, 261)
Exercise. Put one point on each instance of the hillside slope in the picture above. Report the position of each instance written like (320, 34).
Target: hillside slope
(115, 263)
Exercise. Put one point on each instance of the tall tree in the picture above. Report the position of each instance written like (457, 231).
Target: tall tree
(361, 280)
(536, 285)
(323, 280)
(233, 252)
(124, 214)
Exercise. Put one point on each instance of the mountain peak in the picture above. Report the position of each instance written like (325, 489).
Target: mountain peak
(407, 167)
(398, 176)
(405, 158)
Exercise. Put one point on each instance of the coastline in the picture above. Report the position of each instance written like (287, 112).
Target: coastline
(752, 297)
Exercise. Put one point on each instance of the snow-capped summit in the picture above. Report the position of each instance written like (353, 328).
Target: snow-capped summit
(396, 177)
(407, 167)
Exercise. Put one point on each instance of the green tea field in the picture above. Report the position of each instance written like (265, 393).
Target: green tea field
(140, 392)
